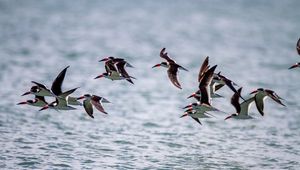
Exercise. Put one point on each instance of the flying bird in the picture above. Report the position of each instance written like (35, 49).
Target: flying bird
(261, 94)
(242, 109)
(93, 100)
(214, 86)
(172, 68)
(60, 102)
(298, 50)
(115, 69)
(39, 101)
(205, 102)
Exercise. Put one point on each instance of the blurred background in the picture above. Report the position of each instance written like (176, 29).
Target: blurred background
(253, 43)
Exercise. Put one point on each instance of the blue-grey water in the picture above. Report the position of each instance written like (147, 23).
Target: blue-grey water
(253, 43)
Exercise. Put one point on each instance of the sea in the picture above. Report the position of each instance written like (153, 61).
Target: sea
(252, 42)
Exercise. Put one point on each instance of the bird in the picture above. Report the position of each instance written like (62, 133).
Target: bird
(261, 94)
(214, 86)
(38, 90)
(115, 69)
(223, 80)
(121, 69)
(204, 104)
(56, 88)
(196, 115)
(172, 68)
(298, 50)
(39, 101)
(60, 102)
(111, 76)
(242, 109)
(91, 100)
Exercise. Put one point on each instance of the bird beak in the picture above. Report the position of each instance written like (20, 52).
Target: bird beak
(193, 95)
(228, 117)
(22, 103)
(185, 114)
(81, 97)
(255, 91)
(26, 93)
(188, 106)
(44, 108)
(157, 65)
(294, 66)
(104, 59)
(99, 76)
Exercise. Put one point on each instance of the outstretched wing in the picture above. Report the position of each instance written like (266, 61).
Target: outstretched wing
(274, 96)
(88, 107)
(298, 46)
(235, 100)
(165, 56)
(259, 102)
(58, 81)
(95, 100)
(39, 84)
(203, 68)
(121, 69)
(172, 73)
(110, 66)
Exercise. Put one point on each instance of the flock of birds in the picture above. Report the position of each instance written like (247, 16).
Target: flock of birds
(209, 83)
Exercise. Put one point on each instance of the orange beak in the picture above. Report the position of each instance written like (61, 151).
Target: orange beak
(228, 117)
(294, 66)
(185, 114)
(104, 59)
(100, 76)
(193, 95)
(255, 91)
(44, 108)
(26, 93)
(188, 106)
(157, 65)
(79, 98)
(22, 103)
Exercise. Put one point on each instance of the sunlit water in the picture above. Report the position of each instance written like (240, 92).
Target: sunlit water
(253, 43)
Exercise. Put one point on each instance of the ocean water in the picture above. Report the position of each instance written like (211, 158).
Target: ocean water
(253, 43)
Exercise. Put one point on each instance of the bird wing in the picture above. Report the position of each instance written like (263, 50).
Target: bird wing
(39, 85)
(230, 84)
(67, 93)
(218, 87)
(273, 96)
(172, 73)
(208, 76)
(110, 66)
(197, 120)
(204, 85)
(96, 102)
(235, 100)
(41, 98)
(259, 102)
(121, 69)
(204, 67)
(205, 97)
(298, 46)
(165, 56)
(58, 81)
(88, 107)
